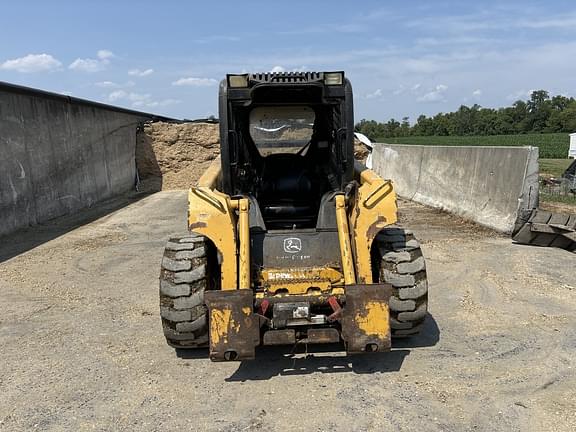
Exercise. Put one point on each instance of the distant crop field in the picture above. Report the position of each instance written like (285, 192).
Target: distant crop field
(553, 167)
(552, 146)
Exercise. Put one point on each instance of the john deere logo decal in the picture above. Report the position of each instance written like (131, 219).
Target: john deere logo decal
(292, 245)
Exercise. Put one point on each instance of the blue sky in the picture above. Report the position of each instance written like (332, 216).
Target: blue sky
(404, 58)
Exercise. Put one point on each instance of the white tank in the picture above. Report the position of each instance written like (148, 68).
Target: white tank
(572, 150)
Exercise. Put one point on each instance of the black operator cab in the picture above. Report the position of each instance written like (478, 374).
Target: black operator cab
(287, 144)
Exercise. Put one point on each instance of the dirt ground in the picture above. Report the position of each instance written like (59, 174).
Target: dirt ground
(557, 207)
(82, 346)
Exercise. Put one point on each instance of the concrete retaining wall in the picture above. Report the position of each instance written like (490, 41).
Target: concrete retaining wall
(489, 185)
(60, 154)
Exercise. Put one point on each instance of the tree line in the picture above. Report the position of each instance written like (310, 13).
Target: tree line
(539, 114)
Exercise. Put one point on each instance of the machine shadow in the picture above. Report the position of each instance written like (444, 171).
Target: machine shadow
(280, 361)
(192, 354)
(303, 360)
(429, 336)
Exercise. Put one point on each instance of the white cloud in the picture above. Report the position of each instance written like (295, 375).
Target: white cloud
(195, 82)
(567, 21)
(519, 95)
(87, 65)
(138, 97)
(400, 90)
(93, 65)
(140, 73)
(107, 84)
(375, 94)
(414, 89)
(112, 84)
(153, 104)
(477, 93)
(435, 95)
(280, 69)
(421, 65)
(128, 96)
(105, 54)
(116, 95)
(139, 100)
(494, 21)
(32, 63)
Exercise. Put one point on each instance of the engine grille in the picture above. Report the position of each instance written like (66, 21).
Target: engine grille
(287, 77)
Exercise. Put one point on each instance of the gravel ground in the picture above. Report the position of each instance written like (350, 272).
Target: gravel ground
(82, 347)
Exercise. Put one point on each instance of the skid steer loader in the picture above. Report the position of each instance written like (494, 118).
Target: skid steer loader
(290, 240)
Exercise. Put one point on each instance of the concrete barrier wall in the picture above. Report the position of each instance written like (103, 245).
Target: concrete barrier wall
(58, 155)
(489, 185)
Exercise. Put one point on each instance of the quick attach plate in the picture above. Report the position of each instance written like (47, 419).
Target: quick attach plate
(234, 328)
(366, 318)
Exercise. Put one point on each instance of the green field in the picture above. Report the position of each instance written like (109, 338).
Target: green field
(552, 146)
(553, 167)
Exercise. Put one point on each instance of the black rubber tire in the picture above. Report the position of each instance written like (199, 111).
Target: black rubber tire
(184, 277)
(398, 260)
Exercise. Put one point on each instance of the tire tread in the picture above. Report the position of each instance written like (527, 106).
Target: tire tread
(183, 280)
(401, 263)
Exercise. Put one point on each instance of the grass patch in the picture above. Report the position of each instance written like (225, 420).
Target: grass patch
(553, 167)
(558, 198)
(551, 146)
